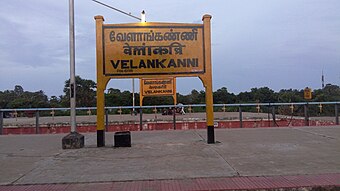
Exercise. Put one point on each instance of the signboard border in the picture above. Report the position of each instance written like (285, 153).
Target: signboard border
(156, 25)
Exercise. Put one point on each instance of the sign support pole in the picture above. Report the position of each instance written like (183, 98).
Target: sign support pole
(207, 80)
(100, 117)
(101, 83)
(175, 93)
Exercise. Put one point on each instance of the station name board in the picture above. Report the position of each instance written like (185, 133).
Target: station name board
(158, 87)
(153, 49)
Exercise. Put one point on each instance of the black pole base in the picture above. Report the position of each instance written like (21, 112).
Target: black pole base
(100, 138)
(211, 135)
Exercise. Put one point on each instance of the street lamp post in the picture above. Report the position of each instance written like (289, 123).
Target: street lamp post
(74, 140)
(72, 67)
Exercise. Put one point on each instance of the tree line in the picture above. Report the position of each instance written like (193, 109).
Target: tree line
(86, 96)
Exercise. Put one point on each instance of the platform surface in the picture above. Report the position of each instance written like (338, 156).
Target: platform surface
(259, 158)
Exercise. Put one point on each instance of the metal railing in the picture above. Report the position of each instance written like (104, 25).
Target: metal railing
(272, 109)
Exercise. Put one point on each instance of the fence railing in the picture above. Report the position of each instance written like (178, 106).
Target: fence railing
(304, 110)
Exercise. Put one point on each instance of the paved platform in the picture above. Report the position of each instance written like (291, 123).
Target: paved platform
(261, 158)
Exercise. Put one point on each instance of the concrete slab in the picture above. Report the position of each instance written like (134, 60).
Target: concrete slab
(159, 155)
(280, 151)
(13, 167)
(330, 132)
(19, 155)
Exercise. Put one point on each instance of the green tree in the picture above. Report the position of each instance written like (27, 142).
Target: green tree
(5, 98)
(112, 97)
(328, 93)
(126, 98)
(263, 95)
(85, 93)
(182, 99)
(223, 96)
(38, 99)
(196, 97)
(18, 90)
(290, 95)
(18, 98)
(244, 97)
(55, 102)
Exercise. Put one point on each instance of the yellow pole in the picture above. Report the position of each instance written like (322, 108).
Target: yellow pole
(207, 80)
(100, 83)
(141, 97)
(141, 92)
(175, 91)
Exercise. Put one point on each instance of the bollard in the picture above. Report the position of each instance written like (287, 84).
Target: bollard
(52, 113)
(336, 114)
(306, 115)
(240, 114)
(258, 108)
(224, 108)
(107, 120)
(140, 119)
(291, 109)
(189, 109)
(1, 121)
(274, 117)
(37, 122)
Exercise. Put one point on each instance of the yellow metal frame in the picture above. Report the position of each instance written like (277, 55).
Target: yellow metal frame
(205, 77)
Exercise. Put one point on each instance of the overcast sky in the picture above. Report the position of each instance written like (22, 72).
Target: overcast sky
(280, 44)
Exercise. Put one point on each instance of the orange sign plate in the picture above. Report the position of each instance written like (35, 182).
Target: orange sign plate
(158, 87)
(153, 49)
